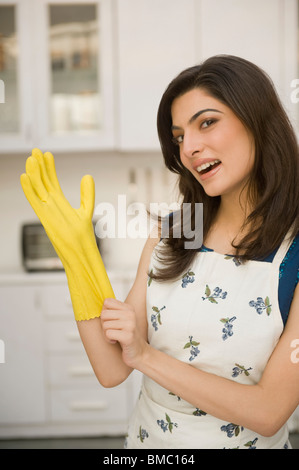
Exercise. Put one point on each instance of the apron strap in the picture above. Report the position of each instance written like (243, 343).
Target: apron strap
(283, 249)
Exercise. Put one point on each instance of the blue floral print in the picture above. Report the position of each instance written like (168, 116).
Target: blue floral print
(194, 351)
(261, 305)
(156, 317)
(149, 278)
(232, 429)
(143, 434)
(234, 259)
(251, 444)
(240, 370)
(188, 278)
(199, 412)
(217, 294)
(227, 330)
(172, 394)
(168, 425)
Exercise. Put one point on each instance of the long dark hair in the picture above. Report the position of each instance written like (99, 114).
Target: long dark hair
(273, 187)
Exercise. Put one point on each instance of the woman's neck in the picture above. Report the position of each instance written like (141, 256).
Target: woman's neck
(229, 225)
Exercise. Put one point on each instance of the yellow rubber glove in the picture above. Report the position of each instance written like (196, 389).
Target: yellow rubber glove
(71, 233)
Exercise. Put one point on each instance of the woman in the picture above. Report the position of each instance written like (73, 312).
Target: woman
(213, 329)
(217, 364)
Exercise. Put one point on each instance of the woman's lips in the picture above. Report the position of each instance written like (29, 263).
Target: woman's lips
(206, 165)
(210, 173)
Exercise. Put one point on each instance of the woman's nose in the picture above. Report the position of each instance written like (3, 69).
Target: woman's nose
(192, 144)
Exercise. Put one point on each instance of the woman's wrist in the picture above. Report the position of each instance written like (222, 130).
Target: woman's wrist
(143, 359)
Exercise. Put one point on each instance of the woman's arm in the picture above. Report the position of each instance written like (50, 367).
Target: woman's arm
(105, 354)
(264, 407)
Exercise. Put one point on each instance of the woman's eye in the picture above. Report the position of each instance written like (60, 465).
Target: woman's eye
(207, 123)
(178, 140)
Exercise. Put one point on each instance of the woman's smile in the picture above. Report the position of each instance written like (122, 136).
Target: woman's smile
(206, 167)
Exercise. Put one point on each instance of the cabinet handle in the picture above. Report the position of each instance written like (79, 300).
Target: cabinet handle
(88, 405)
(82, 371)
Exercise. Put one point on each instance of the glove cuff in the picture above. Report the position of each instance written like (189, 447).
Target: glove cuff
(88, 283)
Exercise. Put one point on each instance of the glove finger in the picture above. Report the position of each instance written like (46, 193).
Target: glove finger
(38, 154)
(51, 170)
(30, 194)
(33, 172)
(87, 195)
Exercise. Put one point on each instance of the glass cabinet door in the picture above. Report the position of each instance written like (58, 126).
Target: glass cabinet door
(9, 98)
(56, 75)
(75, 94)
(16, 99)
(74, 74)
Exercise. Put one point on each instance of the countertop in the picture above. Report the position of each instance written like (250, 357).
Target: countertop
(59, 277)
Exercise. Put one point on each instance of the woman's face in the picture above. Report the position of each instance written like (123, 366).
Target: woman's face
(214, 144)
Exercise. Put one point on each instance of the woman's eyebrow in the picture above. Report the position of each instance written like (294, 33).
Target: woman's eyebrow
(195, 116)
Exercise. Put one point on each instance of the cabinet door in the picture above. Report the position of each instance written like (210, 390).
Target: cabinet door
(74, 75)
(156, 40)
(258, 31)
(16, 107)
(264, 32)
(56, 75)
(22, 394)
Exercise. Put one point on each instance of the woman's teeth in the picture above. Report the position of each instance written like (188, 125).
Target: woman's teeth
(204, 166)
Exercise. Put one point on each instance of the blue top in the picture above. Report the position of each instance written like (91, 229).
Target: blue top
(288, 276)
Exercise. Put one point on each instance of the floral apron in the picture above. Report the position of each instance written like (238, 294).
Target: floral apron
(222, 317)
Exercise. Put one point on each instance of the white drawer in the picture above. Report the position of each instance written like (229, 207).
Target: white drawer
(63, 336)
(70, 371)
(56, 301)
(96, 405)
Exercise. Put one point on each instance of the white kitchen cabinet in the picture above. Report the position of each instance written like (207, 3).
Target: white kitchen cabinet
(264, 32)
(22, 375)
(57, 70)
(17, 104)
(140, 46)
(47, 385)
(109, 406)
(156, 40)
(74, 74)
(73, 391)
(125, 55)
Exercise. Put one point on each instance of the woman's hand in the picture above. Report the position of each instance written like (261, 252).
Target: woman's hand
(119, 324)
